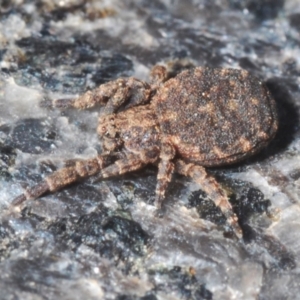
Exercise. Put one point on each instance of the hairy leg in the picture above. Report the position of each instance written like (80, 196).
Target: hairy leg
(65, 176)
(213, 190)
(160, 74)
(126, 162)
(165, 171)
(122, 166)
(112, 95)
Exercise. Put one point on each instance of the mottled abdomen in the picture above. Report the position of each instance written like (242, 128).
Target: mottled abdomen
(216, 116)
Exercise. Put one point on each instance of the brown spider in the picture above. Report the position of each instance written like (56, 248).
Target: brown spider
(202, 117)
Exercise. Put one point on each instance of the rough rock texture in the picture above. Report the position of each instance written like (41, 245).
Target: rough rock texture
(100, 240)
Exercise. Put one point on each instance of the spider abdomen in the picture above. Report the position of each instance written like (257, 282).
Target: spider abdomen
(215, 116)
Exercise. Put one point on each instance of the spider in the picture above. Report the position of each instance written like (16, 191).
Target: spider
(200, 117)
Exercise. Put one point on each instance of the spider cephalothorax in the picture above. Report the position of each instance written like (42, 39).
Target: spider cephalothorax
(202, 117)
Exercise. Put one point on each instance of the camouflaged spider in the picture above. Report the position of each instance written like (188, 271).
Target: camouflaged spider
(202, 117)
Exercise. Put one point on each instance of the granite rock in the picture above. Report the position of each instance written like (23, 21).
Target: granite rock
(101, 240)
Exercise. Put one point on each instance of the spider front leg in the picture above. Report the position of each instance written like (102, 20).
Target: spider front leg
(122, 166)
(65, 176)
(112, 95)
(213, 190)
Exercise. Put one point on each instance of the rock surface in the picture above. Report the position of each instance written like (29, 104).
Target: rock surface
(100, 240)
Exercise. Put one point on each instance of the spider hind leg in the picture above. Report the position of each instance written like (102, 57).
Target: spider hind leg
(213, 190)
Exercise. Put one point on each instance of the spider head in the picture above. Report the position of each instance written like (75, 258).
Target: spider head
(109, 133)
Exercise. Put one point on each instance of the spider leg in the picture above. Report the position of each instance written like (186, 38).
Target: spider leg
(65, 176)
(112, 95)
(213, 190)
(128, 164)
(165, 171)
(160, 74)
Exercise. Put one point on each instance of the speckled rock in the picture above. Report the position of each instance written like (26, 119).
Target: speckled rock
(100, 239)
